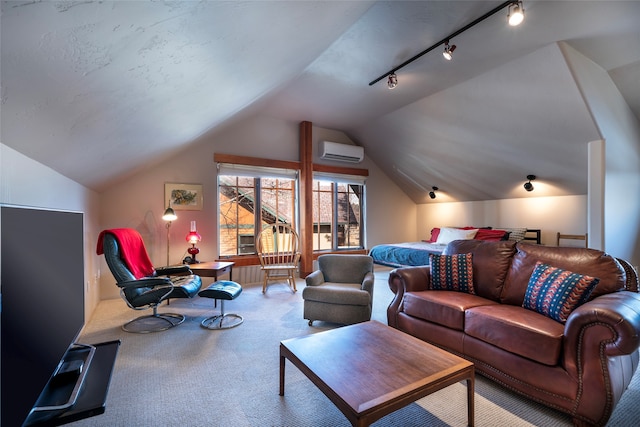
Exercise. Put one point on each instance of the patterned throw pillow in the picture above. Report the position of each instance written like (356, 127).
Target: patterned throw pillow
(555, 292)
(516, 234)
(452, 272)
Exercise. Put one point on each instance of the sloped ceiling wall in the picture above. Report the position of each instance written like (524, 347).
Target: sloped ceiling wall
(527, 105)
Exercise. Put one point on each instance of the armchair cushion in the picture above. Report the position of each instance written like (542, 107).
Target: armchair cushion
(345, 268)
(338, 293)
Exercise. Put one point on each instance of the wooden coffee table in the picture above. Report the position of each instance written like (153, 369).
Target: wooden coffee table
(369, 370)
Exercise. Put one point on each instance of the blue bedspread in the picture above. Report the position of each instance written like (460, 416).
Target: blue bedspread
(405, 254)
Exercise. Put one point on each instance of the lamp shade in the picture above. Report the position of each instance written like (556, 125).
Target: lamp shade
(193, 237)
(169, 215)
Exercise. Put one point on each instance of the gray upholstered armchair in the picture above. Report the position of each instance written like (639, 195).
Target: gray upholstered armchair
(341, 291)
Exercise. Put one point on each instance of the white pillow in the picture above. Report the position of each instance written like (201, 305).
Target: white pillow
(450, 234)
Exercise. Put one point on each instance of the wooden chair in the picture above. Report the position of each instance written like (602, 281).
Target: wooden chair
(584, 237)
(278, 254)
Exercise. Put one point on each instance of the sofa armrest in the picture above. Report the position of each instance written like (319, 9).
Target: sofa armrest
(315, 278)
(367, 283)
(406, 279)
(604, 327)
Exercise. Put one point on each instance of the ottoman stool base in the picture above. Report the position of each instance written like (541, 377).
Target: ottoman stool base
(222, 290)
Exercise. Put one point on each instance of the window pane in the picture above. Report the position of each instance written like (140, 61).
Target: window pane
(237, 215)
(337, 214)
(322, 215)
(348, 216)
(241, 209)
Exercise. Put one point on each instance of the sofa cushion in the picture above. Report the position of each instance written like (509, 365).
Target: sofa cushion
(452, 272)
(555, 292)
(445, 308)
(491, 261)
(516, 330)
(590, 262)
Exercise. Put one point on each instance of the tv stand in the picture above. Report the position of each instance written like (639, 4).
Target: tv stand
(78, 389)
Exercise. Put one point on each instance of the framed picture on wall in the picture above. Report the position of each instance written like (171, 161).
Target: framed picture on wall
(183, 196)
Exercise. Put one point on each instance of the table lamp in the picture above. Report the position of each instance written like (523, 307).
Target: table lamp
(193, 237)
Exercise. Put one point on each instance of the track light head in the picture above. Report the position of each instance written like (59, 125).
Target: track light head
(392, 82)
(448, 51)
(432, 194)
(516, 13)
(528, 185)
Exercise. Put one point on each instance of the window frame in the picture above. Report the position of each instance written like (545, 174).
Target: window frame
(337, 179)
(258, 174)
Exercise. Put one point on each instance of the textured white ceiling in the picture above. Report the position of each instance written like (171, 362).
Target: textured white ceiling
(85, 84)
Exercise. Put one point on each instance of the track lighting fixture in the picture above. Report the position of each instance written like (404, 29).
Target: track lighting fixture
(516, 13)
(515, 17)
(528, 185)
(393, 81)
(448, 51)
(432, 193)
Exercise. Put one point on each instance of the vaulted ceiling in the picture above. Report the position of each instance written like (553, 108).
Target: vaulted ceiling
(89, 83)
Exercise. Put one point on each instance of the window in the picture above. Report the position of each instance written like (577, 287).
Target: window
(337, 212)
(250, 198)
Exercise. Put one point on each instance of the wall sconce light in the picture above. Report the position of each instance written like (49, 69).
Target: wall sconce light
(193, 238)
(432, 193)
(516, 13)
(448, 51)
(169, 216)
(393, 81)
(528, 185)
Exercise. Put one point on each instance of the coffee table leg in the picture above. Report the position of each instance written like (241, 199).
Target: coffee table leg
(470, 399)
(282, 360)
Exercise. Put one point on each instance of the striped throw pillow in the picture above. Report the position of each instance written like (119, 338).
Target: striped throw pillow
(555, 292)
(452, 272)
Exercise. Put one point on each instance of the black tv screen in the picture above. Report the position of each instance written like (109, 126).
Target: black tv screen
(42, 287)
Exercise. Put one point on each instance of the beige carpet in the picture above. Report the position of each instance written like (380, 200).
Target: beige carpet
(189, 376)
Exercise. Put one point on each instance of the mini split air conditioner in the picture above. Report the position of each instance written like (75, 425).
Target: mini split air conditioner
(341, 152)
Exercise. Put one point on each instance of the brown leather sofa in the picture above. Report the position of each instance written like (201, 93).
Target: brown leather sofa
(581, 367)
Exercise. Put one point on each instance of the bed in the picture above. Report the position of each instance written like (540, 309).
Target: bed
(405, 254)
(417, 253)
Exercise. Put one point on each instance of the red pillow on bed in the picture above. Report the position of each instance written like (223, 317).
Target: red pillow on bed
(490, 235)
(435, 232)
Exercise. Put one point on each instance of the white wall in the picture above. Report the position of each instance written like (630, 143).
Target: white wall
(566, 214)
(621, 132)
(139, 201)
(25, 182)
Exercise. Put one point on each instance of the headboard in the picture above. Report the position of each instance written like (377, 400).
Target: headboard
(532, 234)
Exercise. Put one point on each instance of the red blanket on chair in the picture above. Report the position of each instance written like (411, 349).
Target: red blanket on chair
(132, 249)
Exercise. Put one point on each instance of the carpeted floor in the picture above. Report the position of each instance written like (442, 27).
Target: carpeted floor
(189, 376)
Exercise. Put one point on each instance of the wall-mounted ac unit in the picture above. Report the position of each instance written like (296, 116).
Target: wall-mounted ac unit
(341, 152)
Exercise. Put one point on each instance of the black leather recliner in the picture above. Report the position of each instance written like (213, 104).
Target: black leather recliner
(148, 292)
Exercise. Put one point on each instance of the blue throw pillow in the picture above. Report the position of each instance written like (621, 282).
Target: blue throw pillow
(555, 292)
(452, 272)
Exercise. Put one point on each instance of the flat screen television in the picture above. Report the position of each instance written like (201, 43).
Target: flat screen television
(42, 290)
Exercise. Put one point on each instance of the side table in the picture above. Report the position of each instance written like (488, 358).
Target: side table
(213, 269)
